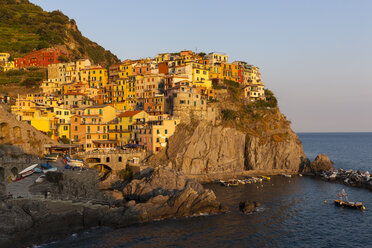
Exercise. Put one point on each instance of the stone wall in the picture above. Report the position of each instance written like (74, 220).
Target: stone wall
(115, 160)
(21, 135)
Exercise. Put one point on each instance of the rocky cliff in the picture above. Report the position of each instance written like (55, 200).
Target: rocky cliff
(244, 137)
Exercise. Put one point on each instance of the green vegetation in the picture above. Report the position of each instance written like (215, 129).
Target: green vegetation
(64, 140)
(234, 89)
(25, 27)
(126, 174)
(228, 114)
(271, 101)
(28, 78)
(261, 118)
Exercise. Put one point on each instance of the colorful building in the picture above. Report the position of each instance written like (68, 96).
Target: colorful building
(42, 58)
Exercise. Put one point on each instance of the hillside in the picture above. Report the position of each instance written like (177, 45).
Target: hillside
(25, 26)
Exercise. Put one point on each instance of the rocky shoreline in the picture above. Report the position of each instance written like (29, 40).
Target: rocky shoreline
(155, 194)
(348, 177)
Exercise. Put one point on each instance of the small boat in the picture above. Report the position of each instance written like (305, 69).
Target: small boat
(266, 178)
(230, 183)
(40, 179)
(28, 171)
(286, 175)
(346, 203)
(52, 156)
(50, 169)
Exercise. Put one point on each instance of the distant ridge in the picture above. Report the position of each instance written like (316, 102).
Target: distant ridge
(25, 26)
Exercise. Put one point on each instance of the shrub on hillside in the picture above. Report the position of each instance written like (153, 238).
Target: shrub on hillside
(228, 114)
(126, 174)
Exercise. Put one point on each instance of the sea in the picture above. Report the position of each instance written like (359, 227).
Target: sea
(295, 212)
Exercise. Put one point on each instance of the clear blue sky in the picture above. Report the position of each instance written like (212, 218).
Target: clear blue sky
(315, 55)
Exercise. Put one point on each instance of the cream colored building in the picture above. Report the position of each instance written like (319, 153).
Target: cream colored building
(217, 58)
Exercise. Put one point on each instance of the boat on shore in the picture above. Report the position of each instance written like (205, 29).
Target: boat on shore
(346, 203)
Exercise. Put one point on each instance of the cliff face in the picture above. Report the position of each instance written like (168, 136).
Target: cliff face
(228, 147)
(206, 148)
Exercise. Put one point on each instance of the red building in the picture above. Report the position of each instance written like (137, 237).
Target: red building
(41, 58)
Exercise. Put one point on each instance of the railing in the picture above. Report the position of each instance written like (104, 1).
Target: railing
(106, 152)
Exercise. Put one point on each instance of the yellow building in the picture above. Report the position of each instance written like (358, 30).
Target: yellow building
(6, 65)
(200, 75)
(162, 57)
(4, 57)
(50, 87)
(105, 112)
(122, 128)
(62, 114)
(154, 134)
(63, 131)
(161, 133)
(98, 77)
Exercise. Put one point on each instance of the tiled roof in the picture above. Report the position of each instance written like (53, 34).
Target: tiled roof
(130, 113)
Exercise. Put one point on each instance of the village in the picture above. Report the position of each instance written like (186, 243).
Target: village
(132, 104)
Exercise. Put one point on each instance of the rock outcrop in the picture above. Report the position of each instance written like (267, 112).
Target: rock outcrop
(206, 149)
(247, 207)
(167, 193)
(320, 164)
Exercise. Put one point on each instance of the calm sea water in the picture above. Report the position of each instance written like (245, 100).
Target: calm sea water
(293, 212)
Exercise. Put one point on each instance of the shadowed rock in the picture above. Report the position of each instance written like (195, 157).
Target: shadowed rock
(167, 193)
(320, 164)
(248, 206)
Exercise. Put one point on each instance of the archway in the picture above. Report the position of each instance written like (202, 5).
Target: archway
(14, 171)
(103, 171)
(4, 130)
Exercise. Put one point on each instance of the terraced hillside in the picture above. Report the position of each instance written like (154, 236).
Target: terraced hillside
(25, 26)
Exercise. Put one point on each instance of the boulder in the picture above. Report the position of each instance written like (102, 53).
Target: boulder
(320, 164)
(166, 193)
(248, 206)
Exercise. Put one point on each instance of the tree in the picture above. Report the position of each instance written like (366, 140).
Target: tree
(63, 59)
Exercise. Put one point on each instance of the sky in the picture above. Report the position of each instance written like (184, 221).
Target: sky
(315, 55)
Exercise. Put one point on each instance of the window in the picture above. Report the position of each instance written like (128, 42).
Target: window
(119, 159)
(157, 140)
(158, 131)
(65, 128)
(165, 131)
(108, 159)
(76, 128)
